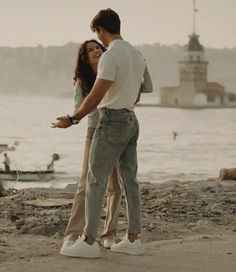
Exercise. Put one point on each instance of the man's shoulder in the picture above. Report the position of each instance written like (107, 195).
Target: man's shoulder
(122, 44)
(109, 54)
(119, 48)
(125, 46)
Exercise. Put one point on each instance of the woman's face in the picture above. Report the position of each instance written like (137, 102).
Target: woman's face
(94, 52)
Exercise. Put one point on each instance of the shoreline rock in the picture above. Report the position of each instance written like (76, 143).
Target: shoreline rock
(181, 221)
(228, 174)
(2, 190)
(170, 210)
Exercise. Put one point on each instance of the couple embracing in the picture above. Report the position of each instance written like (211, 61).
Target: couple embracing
(109, 79)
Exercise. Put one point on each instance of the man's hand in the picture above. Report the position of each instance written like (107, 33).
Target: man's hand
(62, 122)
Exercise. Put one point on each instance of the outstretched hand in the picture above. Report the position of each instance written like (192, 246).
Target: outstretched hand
(61, 122)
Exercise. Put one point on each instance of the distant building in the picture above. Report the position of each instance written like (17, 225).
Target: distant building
(193, 89)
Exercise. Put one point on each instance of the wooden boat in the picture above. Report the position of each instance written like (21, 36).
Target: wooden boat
(36, 175)
(43, 175)
(5, 147)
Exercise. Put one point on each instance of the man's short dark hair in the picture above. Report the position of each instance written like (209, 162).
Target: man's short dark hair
(107, 19)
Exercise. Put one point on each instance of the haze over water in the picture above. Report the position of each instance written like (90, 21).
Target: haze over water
(205, 142)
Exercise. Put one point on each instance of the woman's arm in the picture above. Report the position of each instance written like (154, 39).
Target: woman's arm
(78, 96)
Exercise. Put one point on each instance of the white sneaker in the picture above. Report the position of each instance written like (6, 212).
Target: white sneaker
(127, 247)
(107, 242)
(81, 249)
(68, 243)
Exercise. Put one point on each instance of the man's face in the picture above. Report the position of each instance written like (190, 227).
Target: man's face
(101, 35)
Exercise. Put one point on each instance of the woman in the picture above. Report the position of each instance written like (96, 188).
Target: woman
(85, 75)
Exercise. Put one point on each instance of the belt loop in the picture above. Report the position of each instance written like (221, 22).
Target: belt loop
(108, 112)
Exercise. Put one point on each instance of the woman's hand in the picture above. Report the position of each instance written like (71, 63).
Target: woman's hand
(61, 122)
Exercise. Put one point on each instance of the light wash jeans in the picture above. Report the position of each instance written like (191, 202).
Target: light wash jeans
(114, 143)
(114, 193)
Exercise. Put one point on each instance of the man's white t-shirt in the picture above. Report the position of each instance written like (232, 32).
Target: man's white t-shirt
(125, 66)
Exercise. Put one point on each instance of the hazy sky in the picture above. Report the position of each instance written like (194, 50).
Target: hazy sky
(57, 22)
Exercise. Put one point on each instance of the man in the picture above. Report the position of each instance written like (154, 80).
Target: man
(120, 72)
(6, 162)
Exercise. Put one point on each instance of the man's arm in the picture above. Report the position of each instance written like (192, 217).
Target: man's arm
(97, 93)
(146, 86)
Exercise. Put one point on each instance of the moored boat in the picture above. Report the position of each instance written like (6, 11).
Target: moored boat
(5, 147)
(43, 175)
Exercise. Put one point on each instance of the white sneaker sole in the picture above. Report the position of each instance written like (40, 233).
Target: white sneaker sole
(129, 251)
(65, 252)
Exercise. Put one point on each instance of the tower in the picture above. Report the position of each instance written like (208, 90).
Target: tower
(193, 66)
(193, 84)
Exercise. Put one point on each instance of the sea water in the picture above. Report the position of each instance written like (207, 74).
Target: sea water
(174, 144)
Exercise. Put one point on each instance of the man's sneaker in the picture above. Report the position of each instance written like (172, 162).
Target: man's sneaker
(81, 249)
(107, 242)
(127, 247)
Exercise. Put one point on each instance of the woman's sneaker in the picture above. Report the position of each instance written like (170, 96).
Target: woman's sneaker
(68, 243)
(81, 249)
(127, 247)
(107, 242)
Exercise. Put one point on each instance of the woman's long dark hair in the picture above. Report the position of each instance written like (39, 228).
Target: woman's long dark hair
(83, 70)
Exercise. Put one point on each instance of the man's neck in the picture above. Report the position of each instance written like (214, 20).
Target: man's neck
(114, 37)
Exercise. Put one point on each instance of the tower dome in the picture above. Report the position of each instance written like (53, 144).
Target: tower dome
(193, 51)
(194, 44)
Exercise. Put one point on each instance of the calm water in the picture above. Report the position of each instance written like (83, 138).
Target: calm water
(206, 140)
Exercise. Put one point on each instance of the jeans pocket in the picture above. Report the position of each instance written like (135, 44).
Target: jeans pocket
(117, 133)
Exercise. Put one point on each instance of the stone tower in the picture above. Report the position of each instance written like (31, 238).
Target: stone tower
(194, 90)
(193, 66)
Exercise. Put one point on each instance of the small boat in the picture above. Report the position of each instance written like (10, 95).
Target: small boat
(42, 175)
(36, 175)
(5, 147)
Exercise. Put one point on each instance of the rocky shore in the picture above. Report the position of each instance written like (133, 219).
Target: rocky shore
(32, 221)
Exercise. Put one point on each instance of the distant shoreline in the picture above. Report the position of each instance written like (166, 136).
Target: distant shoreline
(188, 108)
